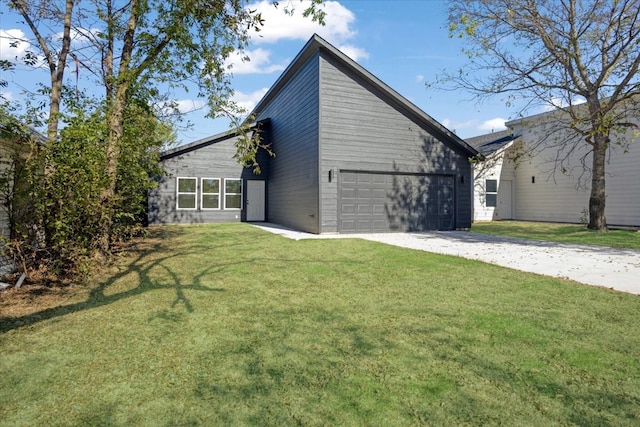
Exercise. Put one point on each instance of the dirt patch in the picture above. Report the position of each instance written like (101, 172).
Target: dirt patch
(31, 299)
(36, 296)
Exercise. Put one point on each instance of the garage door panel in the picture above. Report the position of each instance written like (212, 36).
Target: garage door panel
(348, 208)
(363, 193)
(348, 177)
(380, 193)
(364, 225)
(349, 193)
(349, 224)
(364, 178)
(379, 209)
(378, 202)
(379, 179)
(364, 208)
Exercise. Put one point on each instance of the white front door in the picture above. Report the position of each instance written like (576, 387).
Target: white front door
(504, 200)
(255, 200)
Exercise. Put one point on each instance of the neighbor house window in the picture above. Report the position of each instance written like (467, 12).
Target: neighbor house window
(187, 193)
(210, 193)
(491, 193)
(232, 193)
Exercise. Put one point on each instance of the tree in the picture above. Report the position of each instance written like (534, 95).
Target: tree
(560, 53)
(148, 42)
(35, 12)
(69, 193)
(86, 192)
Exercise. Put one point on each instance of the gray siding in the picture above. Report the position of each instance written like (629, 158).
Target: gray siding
(292, 197)
(328, 116)
(361, 131)
(212, 161)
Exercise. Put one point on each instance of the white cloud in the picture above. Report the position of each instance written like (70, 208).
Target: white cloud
(419, 78)
(13, 44)
(249, 100)
(456, 125)
(259, 62)
(354, 52)
(189, 105)
(279, 25)
(556, 103)
(493, 125)
(6, 96)
(81, 35)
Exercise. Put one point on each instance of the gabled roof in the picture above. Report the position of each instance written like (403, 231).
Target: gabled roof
(204, 142)
(392, 97)
(490, 143)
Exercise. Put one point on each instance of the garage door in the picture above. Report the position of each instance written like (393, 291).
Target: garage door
(370, 202)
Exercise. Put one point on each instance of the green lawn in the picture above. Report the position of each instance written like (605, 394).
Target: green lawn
(230, 325)
(564, 233)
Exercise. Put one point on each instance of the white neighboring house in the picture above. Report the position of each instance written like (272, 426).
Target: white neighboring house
(493, 177)
(529, 174)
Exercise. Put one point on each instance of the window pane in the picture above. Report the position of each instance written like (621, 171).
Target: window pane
(232, 186)
(491, 186)
(232, 201)
(492, 200)
(210, 201)
(210, 185)
(186, 185)
(186, 201)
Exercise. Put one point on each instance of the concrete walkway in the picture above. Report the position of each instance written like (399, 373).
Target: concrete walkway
(617, 269)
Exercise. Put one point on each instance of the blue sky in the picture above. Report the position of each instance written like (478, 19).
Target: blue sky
(405, 43)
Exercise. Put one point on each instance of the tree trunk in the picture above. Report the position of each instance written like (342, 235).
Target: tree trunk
(597, 200)
(112, 156)
(30, 13)
(115, 120)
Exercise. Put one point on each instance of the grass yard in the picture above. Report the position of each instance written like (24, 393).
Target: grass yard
(564, 233)
(230, 325)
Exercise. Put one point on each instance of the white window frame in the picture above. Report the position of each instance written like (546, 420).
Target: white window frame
(487, 193)
(178, 193)
(219, 194)
(232, 194)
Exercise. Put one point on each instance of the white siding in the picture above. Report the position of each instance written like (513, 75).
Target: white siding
(494, 168)
(623, 185)
(564, 197)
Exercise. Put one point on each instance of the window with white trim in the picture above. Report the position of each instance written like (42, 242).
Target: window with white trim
(232, 193)
(491, 193)
(210, 193)
(186, 189)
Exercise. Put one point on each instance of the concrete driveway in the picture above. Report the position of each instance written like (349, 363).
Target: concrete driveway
(617, 269)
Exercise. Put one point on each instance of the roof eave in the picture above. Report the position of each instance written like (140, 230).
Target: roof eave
(223, 136)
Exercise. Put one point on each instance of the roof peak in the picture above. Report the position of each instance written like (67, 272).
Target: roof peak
(391, 96)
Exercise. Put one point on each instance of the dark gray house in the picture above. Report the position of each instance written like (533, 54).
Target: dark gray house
(352, 155)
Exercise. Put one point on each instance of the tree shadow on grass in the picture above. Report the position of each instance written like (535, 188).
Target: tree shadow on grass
(149, 255)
